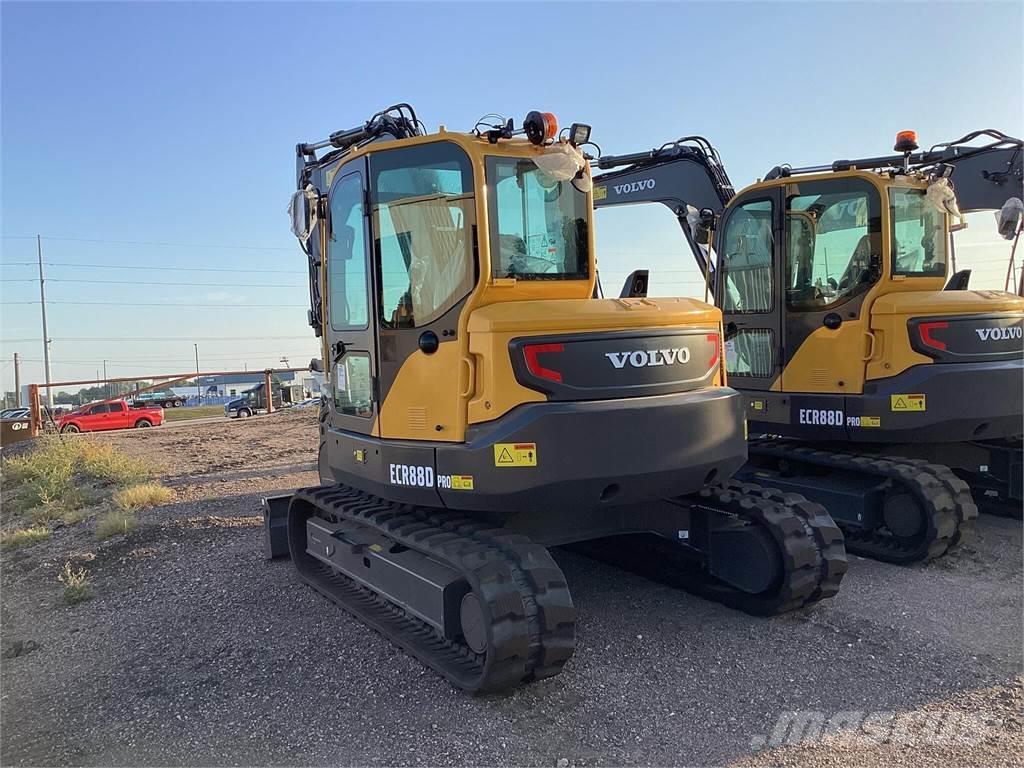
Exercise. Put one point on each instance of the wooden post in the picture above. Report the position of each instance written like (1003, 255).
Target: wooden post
(35, 411)
(267, 391)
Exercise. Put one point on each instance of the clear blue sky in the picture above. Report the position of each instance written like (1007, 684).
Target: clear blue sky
(175, 123)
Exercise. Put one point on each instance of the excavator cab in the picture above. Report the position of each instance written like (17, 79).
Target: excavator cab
(866, 382)
(484, 405)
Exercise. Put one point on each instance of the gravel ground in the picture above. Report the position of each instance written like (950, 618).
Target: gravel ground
(195, 651)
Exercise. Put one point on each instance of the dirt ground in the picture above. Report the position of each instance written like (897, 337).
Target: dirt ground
(196, 651)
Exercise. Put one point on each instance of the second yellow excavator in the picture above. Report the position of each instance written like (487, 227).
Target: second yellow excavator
(875, 383)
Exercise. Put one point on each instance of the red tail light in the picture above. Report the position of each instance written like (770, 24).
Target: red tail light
(927, 329)
(533, 365)
(713, 338)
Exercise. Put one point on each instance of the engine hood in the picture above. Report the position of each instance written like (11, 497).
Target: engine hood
(946, 302)
(581, 315)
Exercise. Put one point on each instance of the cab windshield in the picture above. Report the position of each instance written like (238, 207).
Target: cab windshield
(918, 234)
(538, 226)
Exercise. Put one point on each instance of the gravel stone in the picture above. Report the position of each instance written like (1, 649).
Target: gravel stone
(195, 651)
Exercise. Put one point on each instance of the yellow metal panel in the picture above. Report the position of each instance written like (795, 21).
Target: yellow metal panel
(593, 314)
(829, 361)
(892, 311)
(492, 327)
(424, 396)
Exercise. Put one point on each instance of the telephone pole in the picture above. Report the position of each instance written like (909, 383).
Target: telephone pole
(106, 384)
(17, 381)
(46, 337)
(199, 391)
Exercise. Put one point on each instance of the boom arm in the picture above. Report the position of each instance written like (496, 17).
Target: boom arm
(680, 175)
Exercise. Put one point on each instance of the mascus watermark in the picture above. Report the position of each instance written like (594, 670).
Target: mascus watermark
(868, 728)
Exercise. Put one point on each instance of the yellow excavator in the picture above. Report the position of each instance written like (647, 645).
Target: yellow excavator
(483, 405)
(876, 383)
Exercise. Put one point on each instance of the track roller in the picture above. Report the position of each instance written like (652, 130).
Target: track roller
(752, 548)
(486, 610)
(890, 508)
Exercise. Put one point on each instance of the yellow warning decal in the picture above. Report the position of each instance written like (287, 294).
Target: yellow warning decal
(871, 421)
(757, 405)
(462, 482)
(600, 193)
(515, 454)
(907, 403)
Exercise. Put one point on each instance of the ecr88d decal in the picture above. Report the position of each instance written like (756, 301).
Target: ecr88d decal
(421, 476)
(826, 417)
(834, 417)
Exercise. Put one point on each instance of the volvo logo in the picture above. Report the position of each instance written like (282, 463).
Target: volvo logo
(647, 358)
(1000, 334)
(633, 186)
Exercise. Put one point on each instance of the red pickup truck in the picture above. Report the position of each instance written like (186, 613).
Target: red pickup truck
(111, 415)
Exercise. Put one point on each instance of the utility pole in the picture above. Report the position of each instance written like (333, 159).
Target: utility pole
(17, 381)
(199, 391)
(106, 384)
(46, 337)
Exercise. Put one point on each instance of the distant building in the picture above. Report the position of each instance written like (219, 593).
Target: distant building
(233, 384)
(237, 383)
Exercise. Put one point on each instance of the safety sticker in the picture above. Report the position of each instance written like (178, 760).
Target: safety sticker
(757, 405)
(863, 421)
(600, 193)
(907, 403)
(515, 454)
(455, 482)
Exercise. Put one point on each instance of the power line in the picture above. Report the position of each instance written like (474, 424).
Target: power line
(190, 338)
(151, 268)
(150, 282)
(238, 355)
(156, 243)
(161, 304)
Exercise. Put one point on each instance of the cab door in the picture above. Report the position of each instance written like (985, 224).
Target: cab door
(349, 326)
(748, 289)
(832, 241)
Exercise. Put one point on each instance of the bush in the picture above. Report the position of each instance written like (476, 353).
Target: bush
(76, 584)
(103, 462)
(49, 480)
(115, 522)
(144, 495)
(23, 537)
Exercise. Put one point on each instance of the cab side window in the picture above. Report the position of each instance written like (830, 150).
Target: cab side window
(833, 242)
(346, 256)
(424, 226)
(748, 254)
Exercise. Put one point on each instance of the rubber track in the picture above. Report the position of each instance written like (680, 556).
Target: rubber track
(831, 545)
(947, 498)
(532, 618)
(810, 545)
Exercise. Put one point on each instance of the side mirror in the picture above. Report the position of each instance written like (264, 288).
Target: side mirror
(302, 211)
(635, 286)
(316, 365)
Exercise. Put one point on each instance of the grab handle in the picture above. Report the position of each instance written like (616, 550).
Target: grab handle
(871, 345)
(465, 362)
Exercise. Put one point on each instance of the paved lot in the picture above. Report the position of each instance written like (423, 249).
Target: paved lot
(195, 651)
